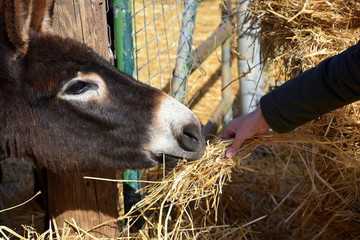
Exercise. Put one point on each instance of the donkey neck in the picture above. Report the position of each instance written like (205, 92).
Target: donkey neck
(15, 126)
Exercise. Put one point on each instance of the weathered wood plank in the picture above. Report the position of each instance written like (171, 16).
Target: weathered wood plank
(83, 20)
(88, 202)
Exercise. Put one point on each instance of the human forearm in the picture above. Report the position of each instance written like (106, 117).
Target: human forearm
(334, 83)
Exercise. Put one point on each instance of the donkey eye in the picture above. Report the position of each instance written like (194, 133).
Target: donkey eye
(79, 87)
(84, 88)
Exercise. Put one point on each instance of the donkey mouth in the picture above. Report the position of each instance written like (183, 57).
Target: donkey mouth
(168, 161)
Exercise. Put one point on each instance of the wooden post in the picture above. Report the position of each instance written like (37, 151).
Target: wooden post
(70, 196)
(84, 21)
(86, 202)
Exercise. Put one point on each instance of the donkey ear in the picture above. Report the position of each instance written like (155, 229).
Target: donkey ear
(17, 23)
(23, 15)
(42, 13)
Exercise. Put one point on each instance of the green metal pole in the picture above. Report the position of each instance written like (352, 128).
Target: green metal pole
(123, 36)
(125, 62)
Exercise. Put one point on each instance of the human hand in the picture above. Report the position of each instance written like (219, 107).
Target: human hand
(243, 128)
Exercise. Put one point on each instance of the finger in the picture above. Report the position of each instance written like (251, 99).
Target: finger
(227, 134)
(234, 147)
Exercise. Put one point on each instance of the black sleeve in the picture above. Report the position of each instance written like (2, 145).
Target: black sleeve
(335, 82)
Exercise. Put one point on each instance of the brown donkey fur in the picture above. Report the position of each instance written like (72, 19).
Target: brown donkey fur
(64, 107)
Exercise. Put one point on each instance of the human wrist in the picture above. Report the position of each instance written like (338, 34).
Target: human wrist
(262, 124)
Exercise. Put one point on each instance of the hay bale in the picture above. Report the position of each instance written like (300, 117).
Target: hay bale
(297, 35)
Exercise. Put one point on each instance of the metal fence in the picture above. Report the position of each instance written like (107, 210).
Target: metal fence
(156, 30)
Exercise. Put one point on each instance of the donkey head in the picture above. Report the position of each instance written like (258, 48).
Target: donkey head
(65, 107)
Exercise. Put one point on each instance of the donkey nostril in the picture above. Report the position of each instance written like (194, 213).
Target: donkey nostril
(191, 135)
(189, 139)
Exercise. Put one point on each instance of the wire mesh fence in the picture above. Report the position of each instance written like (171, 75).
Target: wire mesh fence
(157, 25)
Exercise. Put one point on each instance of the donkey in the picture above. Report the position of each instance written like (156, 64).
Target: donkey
(64, 107)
